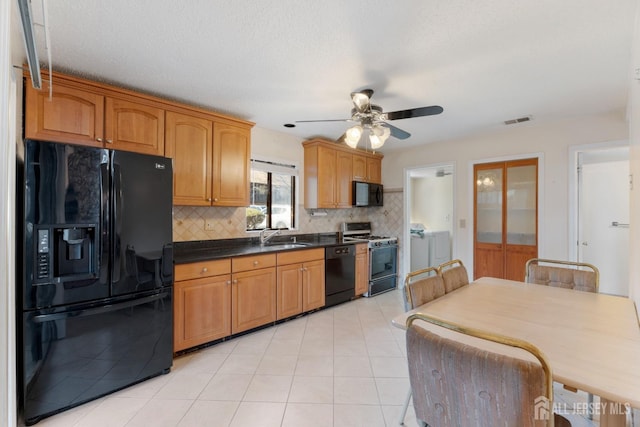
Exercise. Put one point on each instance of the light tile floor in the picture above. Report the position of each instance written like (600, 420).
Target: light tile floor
(343, 366)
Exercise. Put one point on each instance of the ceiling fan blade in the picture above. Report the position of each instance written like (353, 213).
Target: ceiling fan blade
(414, 112)
(362, 100)
(331, 120)
(397, 132)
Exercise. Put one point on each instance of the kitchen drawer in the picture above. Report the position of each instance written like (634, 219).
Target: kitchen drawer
(361, 248)
(254, 262)
(294, 257)
(197, 270)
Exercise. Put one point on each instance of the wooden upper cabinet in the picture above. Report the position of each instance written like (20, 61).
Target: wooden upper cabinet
(132, 126)
(88, 116)
(326, 177)
(189, 142)
(344, 178)
(210, 161)
(359, 165)
(329, 171)
(231, 169)
(374, 170)
(367, 169)
(71, 115)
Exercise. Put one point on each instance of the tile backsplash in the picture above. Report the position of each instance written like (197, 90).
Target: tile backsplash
(229, 223)
(190, 223)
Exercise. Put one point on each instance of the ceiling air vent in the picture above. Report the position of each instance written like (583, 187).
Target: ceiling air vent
(518, 120)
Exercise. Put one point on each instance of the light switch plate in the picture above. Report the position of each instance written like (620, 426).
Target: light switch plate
(463, 223)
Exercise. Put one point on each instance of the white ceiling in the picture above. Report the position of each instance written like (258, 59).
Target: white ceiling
(277, 61)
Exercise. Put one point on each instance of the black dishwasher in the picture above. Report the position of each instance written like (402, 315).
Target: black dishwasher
(340, 274)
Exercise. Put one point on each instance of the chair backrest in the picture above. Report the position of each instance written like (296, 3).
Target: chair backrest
(420, 287)
(464, 384)
(562, 274)
(454, 275)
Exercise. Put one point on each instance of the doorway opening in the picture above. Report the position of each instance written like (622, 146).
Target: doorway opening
(429, 216)
(600, 212)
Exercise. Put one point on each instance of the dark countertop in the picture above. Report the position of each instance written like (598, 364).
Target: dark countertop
(203, 250)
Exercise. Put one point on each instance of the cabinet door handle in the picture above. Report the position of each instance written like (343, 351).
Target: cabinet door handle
(209, 199)
(99, 139)
(255, 262)
(215, 199)
(228, 282)
(235, 281)
(205, 269)
(109, 141)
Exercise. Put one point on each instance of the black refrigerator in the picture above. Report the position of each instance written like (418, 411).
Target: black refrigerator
(95, 311)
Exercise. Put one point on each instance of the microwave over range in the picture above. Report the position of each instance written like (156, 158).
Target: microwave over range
(367, 194)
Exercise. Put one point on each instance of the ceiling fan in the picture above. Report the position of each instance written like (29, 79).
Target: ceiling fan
(371, 117)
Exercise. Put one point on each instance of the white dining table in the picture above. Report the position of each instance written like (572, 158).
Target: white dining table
(591, 340)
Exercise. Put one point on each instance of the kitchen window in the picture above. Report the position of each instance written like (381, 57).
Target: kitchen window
(272, 195)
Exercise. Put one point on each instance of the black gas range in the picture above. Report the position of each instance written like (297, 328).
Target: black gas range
(383, 256)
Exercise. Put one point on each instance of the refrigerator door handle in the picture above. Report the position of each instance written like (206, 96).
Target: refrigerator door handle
(98, 310)
(105, 232)
(117, 221)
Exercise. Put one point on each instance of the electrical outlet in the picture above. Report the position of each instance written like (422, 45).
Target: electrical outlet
(208, 225)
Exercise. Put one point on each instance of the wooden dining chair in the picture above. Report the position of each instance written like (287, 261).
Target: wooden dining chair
(454, 274)
(563, 274)
(473, 383)
(420, 287)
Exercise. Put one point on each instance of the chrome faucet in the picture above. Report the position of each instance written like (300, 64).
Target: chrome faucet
(264, 238)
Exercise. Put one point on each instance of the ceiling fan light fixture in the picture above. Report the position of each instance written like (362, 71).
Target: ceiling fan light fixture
(352, 136)
(376, 141)
(360, 100)
(378, 136)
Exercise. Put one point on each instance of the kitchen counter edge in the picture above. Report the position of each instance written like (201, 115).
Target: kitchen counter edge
(186, 252)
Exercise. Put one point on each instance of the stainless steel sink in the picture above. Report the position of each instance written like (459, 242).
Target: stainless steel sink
(286, 245)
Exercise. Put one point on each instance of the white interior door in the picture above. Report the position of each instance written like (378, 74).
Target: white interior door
(603, 222)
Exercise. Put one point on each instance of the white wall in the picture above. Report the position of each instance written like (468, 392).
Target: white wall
(424, 192)
(551, 139)
(634, 154)
(9, 108)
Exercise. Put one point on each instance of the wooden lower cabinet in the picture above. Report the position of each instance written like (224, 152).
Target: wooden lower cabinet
(313, 292)
(253, 297)
(300, 286)
(218, 298)
(202, 311)
(289, 291)
(362, 268)
(202, 303)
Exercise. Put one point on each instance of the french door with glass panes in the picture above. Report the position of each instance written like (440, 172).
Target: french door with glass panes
(505, 218)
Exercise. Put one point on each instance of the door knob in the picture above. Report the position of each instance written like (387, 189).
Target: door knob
(585, 243)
